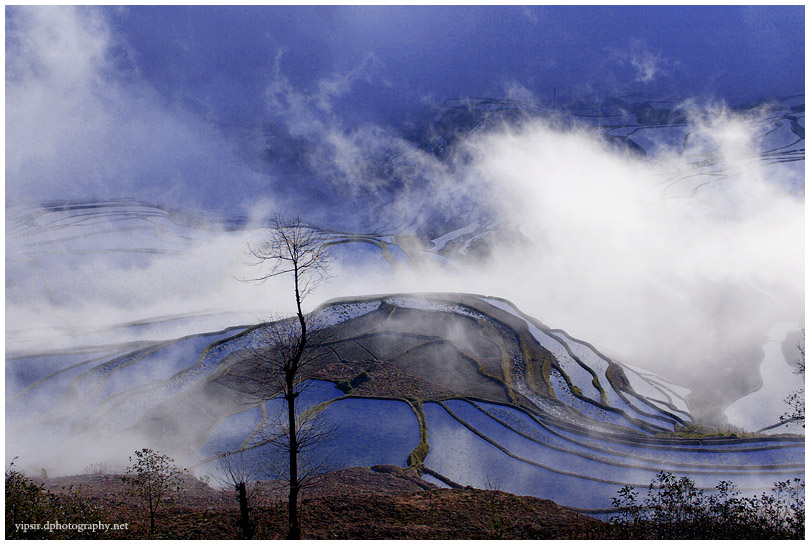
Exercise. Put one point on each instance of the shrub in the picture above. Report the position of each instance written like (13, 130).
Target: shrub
(27, 503)
(675, 509)
(155, 478)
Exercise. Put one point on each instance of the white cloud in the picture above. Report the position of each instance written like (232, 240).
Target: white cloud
(80, 125)
(515, 91)
(647, 65)
(661, 277)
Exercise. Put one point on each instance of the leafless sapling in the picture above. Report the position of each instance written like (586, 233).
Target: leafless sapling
(238, 470)
(293, 248)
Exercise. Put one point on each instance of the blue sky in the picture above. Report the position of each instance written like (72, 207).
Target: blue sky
(118, 101)
(415, 54)
(312, 110)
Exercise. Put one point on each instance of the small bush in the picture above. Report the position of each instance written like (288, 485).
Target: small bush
(29, 509)
(675, 509)
(155, 478)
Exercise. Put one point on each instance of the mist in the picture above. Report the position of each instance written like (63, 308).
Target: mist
(679, 261)
(666, 281)
(675, 283)
(84, 124)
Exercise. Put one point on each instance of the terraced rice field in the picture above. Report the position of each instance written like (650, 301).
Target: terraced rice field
(466, 388)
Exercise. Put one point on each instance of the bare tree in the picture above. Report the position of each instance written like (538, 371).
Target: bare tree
(312, 432)
(294, 248)
(239, 471)
(795, 401)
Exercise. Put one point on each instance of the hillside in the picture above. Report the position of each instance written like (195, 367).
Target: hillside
(354, 503)
(484, 267)
(460, 388)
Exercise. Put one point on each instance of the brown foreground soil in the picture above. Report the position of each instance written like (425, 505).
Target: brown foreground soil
(355, 503)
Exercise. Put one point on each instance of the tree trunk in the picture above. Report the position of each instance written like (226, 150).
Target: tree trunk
(295, 528)
(290, 377)
(244, 522)
(152, 509)
(292, 505)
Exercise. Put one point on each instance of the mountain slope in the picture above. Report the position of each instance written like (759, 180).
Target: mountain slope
(498, 397)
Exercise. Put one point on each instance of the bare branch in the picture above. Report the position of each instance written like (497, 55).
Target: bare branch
(313, 433)
(297, 249)
(238, 472)
(293, 247)
(795, 401)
